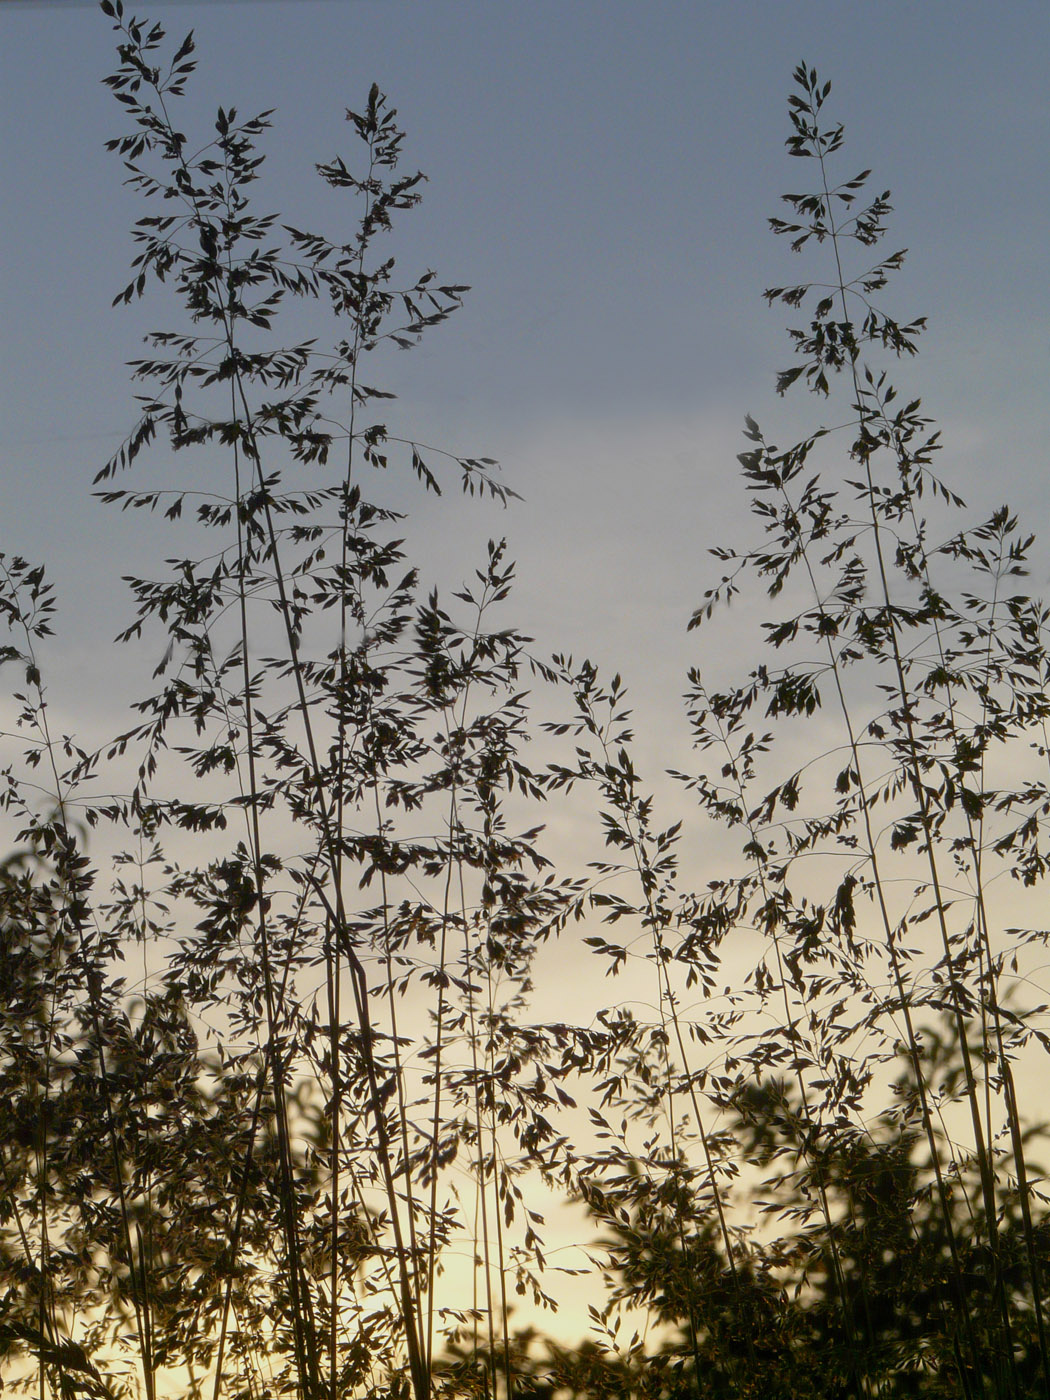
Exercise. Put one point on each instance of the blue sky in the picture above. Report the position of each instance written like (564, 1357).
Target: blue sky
(600, 173)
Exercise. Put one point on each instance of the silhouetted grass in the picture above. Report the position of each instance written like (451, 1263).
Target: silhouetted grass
(250, 1171)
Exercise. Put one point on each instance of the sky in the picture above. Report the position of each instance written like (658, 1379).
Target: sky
(601, 174)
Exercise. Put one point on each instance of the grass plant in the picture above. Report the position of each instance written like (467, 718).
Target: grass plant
(301, 1153)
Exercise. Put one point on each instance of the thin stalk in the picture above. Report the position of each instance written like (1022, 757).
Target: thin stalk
(439, 1047)
(976, 843)
(332, 951)
(922, 801)
(863, 1382)
(331, 845)
(508, 1375)
(399, 1072)
(306, 1359)
(482, 1192)
(332, 978)
(656, 923)
(233, 1244)
(140, 1285)
(912, 1041)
